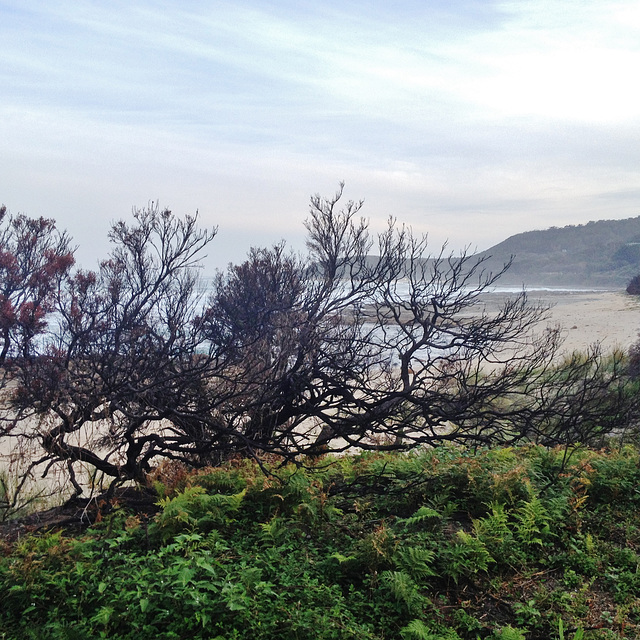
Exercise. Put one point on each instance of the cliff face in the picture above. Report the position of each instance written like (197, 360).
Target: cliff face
(603, 254)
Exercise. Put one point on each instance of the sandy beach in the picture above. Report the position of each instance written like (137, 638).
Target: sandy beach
(611, 318)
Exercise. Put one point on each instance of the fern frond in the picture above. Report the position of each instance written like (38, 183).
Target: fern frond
(417, 630)
(532, 522)
(417, 562)
(404, 589)
(421, 515)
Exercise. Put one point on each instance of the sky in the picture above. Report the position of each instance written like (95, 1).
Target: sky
(467, 120)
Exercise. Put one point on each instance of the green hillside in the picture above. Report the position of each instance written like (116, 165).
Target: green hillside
(603, 254)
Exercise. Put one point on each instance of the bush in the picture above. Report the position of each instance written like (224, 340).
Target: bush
(633, 288)
(235, 554)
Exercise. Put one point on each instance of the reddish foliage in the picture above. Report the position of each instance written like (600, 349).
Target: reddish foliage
(34, 257)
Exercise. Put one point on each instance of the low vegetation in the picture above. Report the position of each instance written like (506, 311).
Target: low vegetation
(633, 288)
(510, 543)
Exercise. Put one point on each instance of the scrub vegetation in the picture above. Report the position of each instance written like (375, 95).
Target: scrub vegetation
(108, 372)
(331, 445)
(515, 543)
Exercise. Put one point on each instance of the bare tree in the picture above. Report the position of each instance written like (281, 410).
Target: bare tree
(34, 260)
(299, 354)
(342, 350)
(111, 377)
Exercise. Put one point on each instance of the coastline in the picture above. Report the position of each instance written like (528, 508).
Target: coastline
(610, 318)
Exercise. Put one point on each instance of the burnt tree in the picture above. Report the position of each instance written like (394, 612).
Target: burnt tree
(298, 355)
(117, 378)
(34, 258)
(339, 349)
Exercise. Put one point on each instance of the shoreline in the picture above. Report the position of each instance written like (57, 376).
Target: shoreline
(586, 317)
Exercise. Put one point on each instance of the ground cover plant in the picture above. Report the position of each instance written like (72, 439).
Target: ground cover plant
(446, 543)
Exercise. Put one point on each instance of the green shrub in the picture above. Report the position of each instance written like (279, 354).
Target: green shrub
(443, 544)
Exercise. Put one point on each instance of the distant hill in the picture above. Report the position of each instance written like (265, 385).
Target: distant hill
(603, 254)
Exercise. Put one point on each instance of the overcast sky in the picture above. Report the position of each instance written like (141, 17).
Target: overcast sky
(469, 120)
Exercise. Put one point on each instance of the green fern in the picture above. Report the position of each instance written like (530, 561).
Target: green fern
(273, 531)
(465, 557)
(496, 534)
(422, 515)
(532, 524)
(194, 509)
(494, 527)
(417, 630)
(342, 559)
(416, 561)
(508, 633)
(404, 590)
